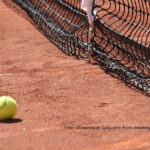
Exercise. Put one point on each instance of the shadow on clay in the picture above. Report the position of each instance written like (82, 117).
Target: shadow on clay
(11, 121)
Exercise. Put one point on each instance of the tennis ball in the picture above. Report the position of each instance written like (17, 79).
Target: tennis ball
(8, 107)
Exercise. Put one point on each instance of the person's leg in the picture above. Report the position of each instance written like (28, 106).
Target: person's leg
(87, 6)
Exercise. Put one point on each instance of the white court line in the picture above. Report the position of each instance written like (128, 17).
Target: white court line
(5, 74)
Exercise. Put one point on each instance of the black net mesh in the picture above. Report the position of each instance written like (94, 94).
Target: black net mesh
(119, 40)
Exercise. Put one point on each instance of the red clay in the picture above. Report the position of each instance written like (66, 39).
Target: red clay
(54, 90)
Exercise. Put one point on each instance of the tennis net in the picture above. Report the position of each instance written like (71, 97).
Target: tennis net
(119, 40)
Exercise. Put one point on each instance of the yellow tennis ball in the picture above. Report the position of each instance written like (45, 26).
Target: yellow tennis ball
(8, 107)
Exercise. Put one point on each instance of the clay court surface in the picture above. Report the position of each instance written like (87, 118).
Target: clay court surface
(55, 91)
